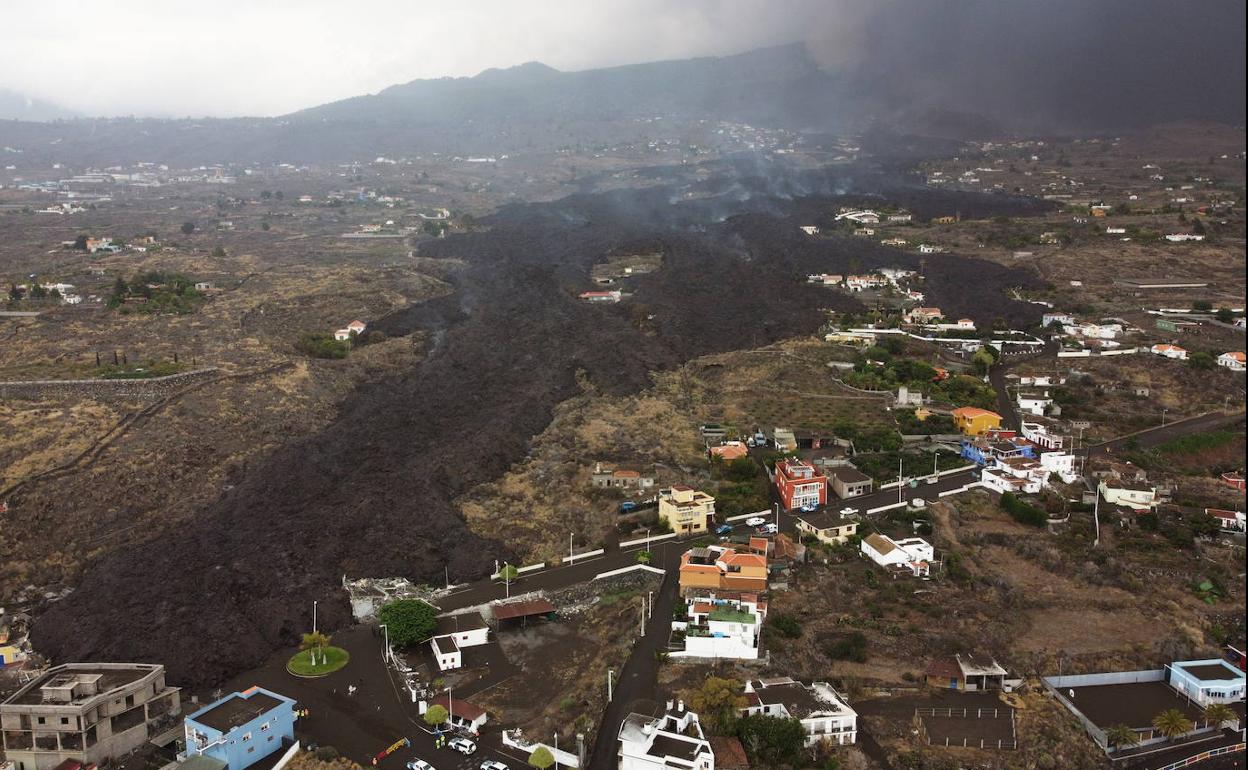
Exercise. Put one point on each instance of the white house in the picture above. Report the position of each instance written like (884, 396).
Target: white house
(865, 217)
(1094, 331)
(1233, 361)
(1038, 434)
(1228, 521)
(672, 741)
(1063, 319)
(1115, 230)
(721, 627)
(1136, 495)
(357, 326)
(1169, 351)
(1061, 463)
(1016, 474)
(810, 229)
(342, 335)
(1182, 237)
(1035, 403)
(453, 634)
(824, 714)
(925, 248)
(912, 554)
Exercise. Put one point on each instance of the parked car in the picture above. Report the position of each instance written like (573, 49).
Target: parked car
(723, 529)
(493, 764)
(755, 521)
(419, 764)
(848, 511)
(628, 506)
(933, 478)
(462, 745)
(810, 507)
(768, 529)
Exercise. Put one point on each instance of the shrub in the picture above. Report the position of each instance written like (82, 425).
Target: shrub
(786, 625)
(849, 647)
(1022, 512)
(322, 345)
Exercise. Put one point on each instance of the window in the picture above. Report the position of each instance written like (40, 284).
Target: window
(264, 727)
(246, 736)
(250, 749)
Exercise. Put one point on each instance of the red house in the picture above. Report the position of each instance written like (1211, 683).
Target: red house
(800, 484)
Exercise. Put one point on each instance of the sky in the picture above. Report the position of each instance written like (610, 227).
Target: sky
(176, 58)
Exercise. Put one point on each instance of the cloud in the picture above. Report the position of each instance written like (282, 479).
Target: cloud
(269, 57)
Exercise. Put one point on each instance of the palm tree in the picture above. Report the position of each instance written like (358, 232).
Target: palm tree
(315, 642)
(1121, 736)
(1217, 713)
(1172, 724)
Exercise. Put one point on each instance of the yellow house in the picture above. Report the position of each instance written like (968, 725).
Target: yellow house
(687, 511)
(973, 421)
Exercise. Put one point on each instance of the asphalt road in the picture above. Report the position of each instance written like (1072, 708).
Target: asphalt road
(1163, 433)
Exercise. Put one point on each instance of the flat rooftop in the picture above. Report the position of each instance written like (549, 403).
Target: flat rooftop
(1212, 672)
(110, 678)
(235, 710)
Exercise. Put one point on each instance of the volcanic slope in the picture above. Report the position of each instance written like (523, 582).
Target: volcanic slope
(371, 495)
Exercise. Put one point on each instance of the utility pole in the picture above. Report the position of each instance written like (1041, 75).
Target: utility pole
(386, 652)
(314, 616)
(1096, 519)
(641, 624)
(610, 693)
(650, 613)
(556, 755)
(570, 546)
(901, 483)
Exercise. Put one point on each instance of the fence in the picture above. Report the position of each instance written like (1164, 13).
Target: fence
(1202, 756)
(971, 743)
(968, 713)
(980, 713)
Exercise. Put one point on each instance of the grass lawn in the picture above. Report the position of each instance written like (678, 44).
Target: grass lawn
(328, 661)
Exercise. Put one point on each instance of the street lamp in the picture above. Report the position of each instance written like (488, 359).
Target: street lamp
(314, 616)
(556, 754)
(385, 651)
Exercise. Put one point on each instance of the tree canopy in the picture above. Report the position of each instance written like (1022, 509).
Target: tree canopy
(541, 758)
(435, 715)
(717, 702)
(408, 621)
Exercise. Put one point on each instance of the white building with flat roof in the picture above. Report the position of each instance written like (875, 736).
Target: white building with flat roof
(824, 714)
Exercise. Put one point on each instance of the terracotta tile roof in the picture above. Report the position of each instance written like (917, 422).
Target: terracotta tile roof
(944, 668)
(462, 708)
(729, 753)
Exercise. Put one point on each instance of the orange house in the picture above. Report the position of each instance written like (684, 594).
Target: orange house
(717, 567)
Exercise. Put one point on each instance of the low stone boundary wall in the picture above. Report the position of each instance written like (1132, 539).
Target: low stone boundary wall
(150, 388)
(644, 540)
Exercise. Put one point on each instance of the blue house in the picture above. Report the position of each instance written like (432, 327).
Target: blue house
(986, 451)
(242, 728)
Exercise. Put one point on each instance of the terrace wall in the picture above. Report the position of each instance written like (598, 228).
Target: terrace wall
(153, 388)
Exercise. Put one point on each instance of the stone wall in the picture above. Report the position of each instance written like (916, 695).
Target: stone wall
(153, 388)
